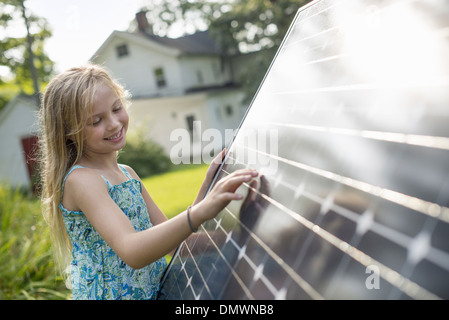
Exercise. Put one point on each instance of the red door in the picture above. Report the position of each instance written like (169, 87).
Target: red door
(30, 145)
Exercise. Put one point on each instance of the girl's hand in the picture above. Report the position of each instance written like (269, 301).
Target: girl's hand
(214, 166)
(221, 194)
(209, 176)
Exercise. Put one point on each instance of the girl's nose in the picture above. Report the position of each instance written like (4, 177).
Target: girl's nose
(114, 123)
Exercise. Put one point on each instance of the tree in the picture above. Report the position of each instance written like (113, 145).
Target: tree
(238, 26)
(25, 66)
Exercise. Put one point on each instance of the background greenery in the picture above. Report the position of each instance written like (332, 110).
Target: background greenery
(27, 269)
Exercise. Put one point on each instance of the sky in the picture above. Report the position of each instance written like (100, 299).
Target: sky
(80, 26)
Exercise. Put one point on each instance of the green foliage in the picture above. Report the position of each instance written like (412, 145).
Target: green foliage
(250, 81)
(27, 269)
(145, 156)
(8, 90)
(15, 57)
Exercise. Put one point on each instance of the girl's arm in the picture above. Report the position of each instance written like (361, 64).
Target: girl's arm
(89, 193)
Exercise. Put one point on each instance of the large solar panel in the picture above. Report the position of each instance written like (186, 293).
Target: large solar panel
(350, 132)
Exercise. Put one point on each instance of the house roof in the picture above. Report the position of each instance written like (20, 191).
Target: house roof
(197, 43)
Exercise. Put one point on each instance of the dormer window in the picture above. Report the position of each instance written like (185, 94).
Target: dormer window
(122, 50)
(160, 77)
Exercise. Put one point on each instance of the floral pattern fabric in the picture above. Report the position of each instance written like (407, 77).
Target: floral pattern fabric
(96, 270)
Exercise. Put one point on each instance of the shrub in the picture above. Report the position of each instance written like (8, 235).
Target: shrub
(145, 156)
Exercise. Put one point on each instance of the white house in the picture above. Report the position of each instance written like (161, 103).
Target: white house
(18, 138)
(174, 83)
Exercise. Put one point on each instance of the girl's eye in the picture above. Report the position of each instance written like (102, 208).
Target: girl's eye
(96, 121)
(118, 108)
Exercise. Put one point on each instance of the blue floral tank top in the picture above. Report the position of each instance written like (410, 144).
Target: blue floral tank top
(96, 270)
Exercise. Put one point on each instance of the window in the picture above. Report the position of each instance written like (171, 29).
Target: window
(122, 50)
(229, 111)
(160, 77)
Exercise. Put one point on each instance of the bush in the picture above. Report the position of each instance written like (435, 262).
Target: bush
(27, 269)
(145, 156)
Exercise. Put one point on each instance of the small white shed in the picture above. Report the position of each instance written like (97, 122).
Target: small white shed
(18, 140)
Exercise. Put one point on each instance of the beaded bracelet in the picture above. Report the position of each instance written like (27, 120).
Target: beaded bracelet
(188, 220)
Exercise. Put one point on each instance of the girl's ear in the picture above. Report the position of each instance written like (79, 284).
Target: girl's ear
(70, 140)
(71, 137)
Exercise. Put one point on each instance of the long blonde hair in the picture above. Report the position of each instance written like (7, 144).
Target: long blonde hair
(65, 110)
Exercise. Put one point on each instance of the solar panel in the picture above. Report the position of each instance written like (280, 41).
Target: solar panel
(349, 131)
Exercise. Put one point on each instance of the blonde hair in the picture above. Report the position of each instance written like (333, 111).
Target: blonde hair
(65, 110)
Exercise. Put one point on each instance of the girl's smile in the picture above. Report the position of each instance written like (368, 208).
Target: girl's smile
(116, 137)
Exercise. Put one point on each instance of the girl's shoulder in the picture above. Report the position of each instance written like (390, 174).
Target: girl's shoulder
(130, 171)
(77, 183)
(81, 175)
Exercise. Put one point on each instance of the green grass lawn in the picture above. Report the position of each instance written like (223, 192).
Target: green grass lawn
(174, 191)
(27, 268)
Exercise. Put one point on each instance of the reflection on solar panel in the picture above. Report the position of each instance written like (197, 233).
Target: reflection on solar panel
(350, 133)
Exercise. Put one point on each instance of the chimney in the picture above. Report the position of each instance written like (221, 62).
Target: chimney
(142, 22)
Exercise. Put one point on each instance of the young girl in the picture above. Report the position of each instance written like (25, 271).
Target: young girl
(103, 221)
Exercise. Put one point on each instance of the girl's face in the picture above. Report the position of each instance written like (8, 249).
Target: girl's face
(106, 130)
